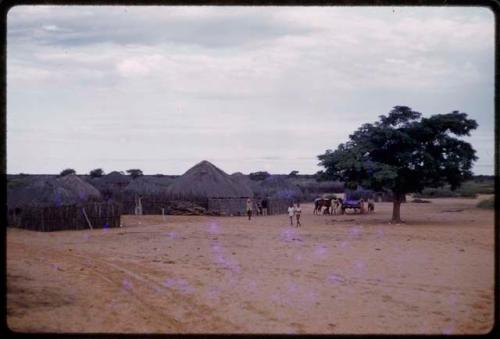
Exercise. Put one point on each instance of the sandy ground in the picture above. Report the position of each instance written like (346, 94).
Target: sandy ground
(336, 274)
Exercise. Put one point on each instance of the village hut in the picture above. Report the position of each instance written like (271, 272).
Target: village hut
(147, 195)
(275, 189)
(111, 185)
(50, 204)
(210, 187)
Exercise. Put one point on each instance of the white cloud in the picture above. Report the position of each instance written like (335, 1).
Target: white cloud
(203, 77)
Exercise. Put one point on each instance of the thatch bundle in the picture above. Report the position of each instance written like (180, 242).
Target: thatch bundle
(204, 181)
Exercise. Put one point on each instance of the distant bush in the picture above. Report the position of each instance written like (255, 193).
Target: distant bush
(258, 176)
(487, 203)
(67, 171)
(135, 173)
(477, 186)
(96, 173)
(465, 191)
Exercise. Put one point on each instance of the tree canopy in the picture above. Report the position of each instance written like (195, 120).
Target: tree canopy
(134, 172)
(67, 171)
(404, 152)
(96, 173)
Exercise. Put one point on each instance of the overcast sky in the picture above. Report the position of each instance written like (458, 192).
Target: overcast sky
(247, 88)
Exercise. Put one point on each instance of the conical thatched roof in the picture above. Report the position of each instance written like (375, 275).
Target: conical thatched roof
(148, 185)
(204, 180)
(43, 192)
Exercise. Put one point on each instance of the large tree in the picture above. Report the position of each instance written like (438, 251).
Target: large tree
(404, 152)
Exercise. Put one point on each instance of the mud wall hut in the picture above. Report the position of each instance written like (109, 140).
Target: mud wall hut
(211, 188)
(63, 203)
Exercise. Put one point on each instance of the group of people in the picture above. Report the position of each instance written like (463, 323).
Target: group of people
(261, 207)
(294, 211)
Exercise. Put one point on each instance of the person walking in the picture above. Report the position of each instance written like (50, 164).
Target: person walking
(298, 212)
(249, 209)
(291, 213)
(264, 204)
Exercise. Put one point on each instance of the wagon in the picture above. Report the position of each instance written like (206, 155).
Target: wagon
(351, 204)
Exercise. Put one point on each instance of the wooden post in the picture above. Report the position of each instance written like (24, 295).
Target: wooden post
(87, 218)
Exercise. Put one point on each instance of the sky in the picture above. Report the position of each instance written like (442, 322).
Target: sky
(247, 88)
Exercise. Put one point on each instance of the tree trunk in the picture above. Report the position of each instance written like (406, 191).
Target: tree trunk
(396, 208)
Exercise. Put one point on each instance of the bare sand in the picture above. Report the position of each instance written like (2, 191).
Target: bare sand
(336, 274)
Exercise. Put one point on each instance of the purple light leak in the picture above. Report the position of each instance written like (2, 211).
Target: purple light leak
(213, 293)
(355, 232)
(106, 225)
(359, 267)
(222, 260)
(213, 228)
(292, 287)
(320, 251)
(82, 195)
(289, 234)
(380, 233)
(336, 279)
(127, 284)
(448, 330)
(179, 284)
(252, 286)
(172, 234)
(310, 296)
(344, 244)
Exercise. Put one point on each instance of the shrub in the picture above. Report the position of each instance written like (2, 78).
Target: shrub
(487, 203)
(259, 175)
(96, 173)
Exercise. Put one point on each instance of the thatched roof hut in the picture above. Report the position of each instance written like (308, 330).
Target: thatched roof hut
(49, 204)
(111, 185)
(146, 195)
(149, 185)
(276, 186)
(43, 192)
(204, 180)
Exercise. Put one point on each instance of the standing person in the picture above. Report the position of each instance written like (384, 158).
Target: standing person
(264, 206)
(291, 213)
(371, 205)
(259, 208)
(298, 211)
(249, 208)
(362, 205)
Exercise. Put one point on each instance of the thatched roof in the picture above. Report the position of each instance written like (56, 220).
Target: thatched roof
(114, 182)
(148, 185)
(43, 192)
(276, 187)
(204, 180)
